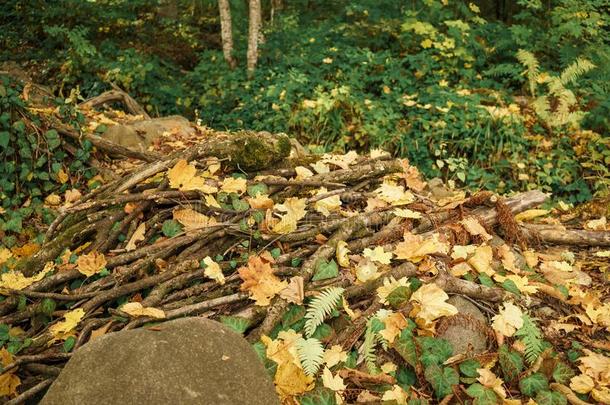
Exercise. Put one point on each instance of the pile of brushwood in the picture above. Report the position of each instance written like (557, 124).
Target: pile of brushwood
(338, 268)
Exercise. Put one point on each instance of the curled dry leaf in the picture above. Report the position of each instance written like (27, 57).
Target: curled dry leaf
(432, 303)
(136, 309)
(260, 281)
(137, 236)
(213, 270)
(192, 220)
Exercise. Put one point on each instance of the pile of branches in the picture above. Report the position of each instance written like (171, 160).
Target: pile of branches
(124, 225)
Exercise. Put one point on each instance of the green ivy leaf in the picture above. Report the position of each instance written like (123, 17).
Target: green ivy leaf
(510, 286)
(434, 350)
(69, 344)
(326, 270)
(406, 377)
(511, 363)
(469, 368)
(551, 398)
(441, 379)
(5, 137)
(171, 228)
(399, 296)
(319, 396)
(482, 395)
(485, 280)
(562, 373)
(405, 346)
(237, 323)
(533, 384)
(259, 188)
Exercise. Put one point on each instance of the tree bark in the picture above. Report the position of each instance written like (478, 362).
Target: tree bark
(226, 32)
(254, 24)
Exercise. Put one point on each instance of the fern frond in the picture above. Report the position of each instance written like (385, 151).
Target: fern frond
(578, 68)
(532, 339)
(320, 307)
(311, 354)
(367, 350)
(532, 66)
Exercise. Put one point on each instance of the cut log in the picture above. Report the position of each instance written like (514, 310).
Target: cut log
(561, 236)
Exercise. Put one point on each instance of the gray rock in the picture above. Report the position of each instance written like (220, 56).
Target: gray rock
(467, 332)
(186, 361)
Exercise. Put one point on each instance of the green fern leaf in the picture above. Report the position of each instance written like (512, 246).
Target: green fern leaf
(532, 338)
(578, 68)
(532, 66)
(320, 307)
(367, 350)
(311, 354)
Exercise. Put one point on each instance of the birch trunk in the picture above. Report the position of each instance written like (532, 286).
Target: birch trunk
(254, 25)
(226, 32)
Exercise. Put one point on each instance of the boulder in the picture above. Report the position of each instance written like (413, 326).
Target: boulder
(468, 331)
(185, 361)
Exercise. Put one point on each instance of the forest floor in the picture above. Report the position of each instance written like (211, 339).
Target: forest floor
(355, 279)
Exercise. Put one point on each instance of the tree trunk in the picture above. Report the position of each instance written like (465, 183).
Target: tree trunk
(226, 32)
(254, 25)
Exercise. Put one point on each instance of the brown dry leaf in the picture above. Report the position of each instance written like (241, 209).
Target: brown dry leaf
(52, 200)
(396, 394)
(95, 333)
(378, 255)
(333, 383)
(15, 280)
(406, 213)
(302, 173)
(414, 247)
(5, 255)
(366, 270)
(8, 380)
(294, 209)
(522, 283)
(327, 205)
(342, 253)
(412, 176)
(334, 355)
(91, 263)
(136, 309)
(389, 285)
(261, 201)
(488, 379)
(295, 291)
(596, 224)
(394, 195)
(432, 303)
(62, 176)
(260, 281)
(192, 220)
(474, 228)
(343, 161)
(26, 250)
(138, 236)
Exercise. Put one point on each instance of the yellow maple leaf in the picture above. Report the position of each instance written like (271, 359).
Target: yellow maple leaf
(294, 209)
(334, 383)
(388, 286)
(508, 320)
(327, 205)
(334, 355)
(52, 199)
(394, 324)
(482, 259)
(290, 380)
(137, 236)
(15, 280)
(260, 281)
(64, 329)
(183, 176)
(91, 263)
(462, 251)
(192, 219)
(414, 247)
(234, 185)
(432, 305)
(211, 201)
(320, 167)
(71, 196)
(136, 309)
(406, 213)
(378, 255)
(8, 380)
(213, 270)
(394, 194)
(583, 384)
(62, 176)
(522, 283)
(596, 366)
(5, 255)
(342, 253)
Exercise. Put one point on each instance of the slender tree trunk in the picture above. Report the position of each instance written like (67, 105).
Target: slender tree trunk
(226, 32)
(254, 25)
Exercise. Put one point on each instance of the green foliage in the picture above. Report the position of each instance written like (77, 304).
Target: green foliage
(311, 353)
(320, 307)
(531, 336)
(511, 363)
(368, 348)
(406, 347)
(551, 398)
(533, 384)
(482, 395)
(319, 396)
(14, 344)
(431, 81)
(442, 379)
(171, 228)
(469, 368)
(434, 350)
(325, 270)
(563, 373)
(237, 323)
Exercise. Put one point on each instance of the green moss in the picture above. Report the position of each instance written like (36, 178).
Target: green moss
(252, 152)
